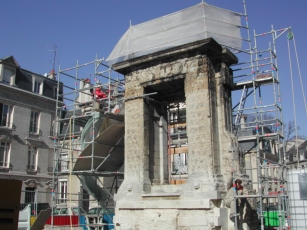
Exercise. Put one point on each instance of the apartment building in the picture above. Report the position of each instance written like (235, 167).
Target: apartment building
(27, 112)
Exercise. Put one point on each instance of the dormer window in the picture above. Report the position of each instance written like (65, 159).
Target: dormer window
(37, 85)
(8, 67)
(8, 77)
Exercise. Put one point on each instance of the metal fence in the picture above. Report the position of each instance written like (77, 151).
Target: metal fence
(38, 200)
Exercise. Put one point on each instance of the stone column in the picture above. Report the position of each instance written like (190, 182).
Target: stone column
(201, 119)
(136, 136)
(228, 144)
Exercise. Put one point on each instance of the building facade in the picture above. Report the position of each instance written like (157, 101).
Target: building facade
(27, 111)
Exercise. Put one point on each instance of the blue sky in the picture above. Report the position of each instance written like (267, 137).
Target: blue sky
(81, 29)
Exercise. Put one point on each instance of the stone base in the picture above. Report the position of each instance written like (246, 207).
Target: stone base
(171, 207)
(171, 219)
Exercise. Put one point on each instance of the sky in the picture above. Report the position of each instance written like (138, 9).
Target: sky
(83, 29)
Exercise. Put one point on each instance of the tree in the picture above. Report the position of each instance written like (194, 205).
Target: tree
(290, 133)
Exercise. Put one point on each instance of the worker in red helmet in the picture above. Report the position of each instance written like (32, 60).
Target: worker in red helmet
(99, 93)
(241, 206)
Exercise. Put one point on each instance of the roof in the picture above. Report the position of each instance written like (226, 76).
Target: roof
(188, 25)
(24, 79)
(292, 145)
(10, 60)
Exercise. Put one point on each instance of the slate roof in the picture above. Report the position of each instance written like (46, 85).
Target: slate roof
(24, 79)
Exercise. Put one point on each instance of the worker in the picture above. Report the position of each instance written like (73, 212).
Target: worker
(99, 93)
(241, 203)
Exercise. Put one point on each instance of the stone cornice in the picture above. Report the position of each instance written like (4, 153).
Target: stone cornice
(25, 92)
(206, 46)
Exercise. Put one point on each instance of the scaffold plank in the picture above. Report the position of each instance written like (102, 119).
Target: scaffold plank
(258, 82)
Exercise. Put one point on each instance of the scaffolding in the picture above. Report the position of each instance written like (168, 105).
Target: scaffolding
(258, 125)
(81, 144)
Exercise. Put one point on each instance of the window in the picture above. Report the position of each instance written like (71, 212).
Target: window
(34, 122)
(55, 91)
(30, 195)
(52, 126)
(63, 190)
(5, 115)
(4, 154)
(37, 85)
(64, 162)
(32, 159)
(8, 74)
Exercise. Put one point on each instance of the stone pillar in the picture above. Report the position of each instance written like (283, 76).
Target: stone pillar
(228, 144)
(200, 106)
(136, 136)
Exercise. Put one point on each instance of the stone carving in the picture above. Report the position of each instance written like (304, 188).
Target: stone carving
(177, 68)
(49, 184)
(148, 75)
(6, 136)
(31, 183)
(196, 185)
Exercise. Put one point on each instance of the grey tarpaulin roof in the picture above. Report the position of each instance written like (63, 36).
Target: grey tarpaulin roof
(194, 23)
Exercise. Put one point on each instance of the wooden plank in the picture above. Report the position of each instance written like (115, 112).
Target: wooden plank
(183, 124)
(178, 181)
(183, 149)
(41, 219)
